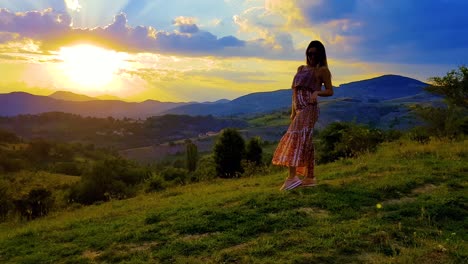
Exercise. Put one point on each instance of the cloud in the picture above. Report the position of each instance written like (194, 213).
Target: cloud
(73, 5)
(406, 31)
(7, 37)
(35, 24)
(54, 30)
(186, 24)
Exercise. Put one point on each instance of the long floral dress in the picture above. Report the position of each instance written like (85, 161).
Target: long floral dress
(296, 148)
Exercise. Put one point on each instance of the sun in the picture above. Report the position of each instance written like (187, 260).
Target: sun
(89, 66)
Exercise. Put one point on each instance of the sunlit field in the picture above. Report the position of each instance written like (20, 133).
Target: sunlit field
(403, 204)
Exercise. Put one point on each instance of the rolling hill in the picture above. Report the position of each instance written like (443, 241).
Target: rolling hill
(406, 203)
(18, 103)
(375, 90)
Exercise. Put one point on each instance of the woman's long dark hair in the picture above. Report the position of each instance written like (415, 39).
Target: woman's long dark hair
(321, 56)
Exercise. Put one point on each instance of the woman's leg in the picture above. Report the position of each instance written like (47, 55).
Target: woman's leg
(309, 172)
(292, 172)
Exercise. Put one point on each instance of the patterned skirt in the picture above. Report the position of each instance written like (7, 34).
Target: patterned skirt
(296, 149)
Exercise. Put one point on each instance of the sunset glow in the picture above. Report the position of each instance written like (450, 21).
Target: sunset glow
(211, 49)
(90, 66)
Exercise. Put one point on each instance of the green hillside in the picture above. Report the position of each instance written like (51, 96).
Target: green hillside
(406, 203)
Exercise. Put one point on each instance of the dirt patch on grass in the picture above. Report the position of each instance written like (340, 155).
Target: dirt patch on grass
(239, 247)
(399, 201)
(315, 212)
(142, 247)
(197, 237)
(424, 189)
(91, 254)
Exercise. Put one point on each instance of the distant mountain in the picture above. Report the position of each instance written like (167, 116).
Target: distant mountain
(17, 103)
(373, 90)
(391, 88)
(108, 97)
(220, 101)
(69, 96)
(251, 103)
(383, 88)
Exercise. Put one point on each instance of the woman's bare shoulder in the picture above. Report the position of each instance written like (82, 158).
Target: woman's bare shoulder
(300, 68)
(323, 70)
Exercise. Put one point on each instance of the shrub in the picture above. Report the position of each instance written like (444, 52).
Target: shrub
(450, 121)
(251, 168)
(8, 164)
(254, 150)
(206, 169)
(392, 135)
(228, 152)
(175, 175)
(419, 134)
(343, 140)
(191, 156)
(155, 183)
(38, 150)
(108, 179)
(5, 200)
(178, 163)
(8, 137)
(67, 167)
(37, 204)
(442, 122)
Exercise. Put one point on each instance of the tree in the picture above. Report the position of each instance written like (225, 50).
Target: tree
(192, 156)
(344, 140)
(228, 152)
(453, 87)
(449, 121)
(254, 151)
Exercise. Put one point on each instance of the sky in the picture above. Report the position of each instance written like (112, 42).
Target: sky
(206, 50)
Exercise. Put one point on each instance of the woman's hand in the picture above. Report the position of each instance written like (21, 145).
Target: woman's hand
(313, 98)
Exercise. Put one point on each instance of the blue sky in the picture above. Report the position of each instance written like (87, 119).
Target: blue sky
(202, 50)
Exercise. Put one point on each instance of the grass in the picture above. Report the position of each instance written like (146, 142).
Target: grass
(276, 118)
(406, 203)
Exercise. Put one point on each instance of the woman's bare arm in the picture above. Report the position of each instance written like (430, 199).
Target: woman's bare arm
(326, 80)
(325, 77)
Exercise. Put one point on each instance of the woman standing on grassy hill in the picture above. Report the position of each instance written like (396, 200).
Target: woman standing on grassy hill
(295, 149)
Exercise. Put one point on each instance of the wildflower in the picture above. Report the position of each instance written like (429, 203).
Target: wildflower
(379, 206)
(441, 248)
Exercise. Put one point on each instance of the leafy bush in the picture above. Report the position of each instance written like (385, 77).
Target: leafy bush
(155, 183)
(37, 204)
(251, 168)
(343, 140)
(392, 135)
(228, 152)
(178, 163)
(11, 164)
(254, 150)
(5, 200)
(451, 120)
(442, 122)
(175, 175)
(38, 150)
(8, 137)
(67, 167)
(419, 134)
(108, 179)
(206, 169)
(191, 156)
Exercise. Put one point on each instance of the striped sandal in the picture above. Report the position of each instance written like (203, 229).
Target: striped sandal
(306, 182)
(290, 184)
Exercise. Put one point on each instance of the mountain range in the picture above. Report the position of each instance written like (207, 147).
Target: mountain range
(376, 90)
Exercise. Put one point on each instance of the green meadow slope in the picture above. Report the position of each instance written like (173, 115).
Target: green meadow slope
(406, 203)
